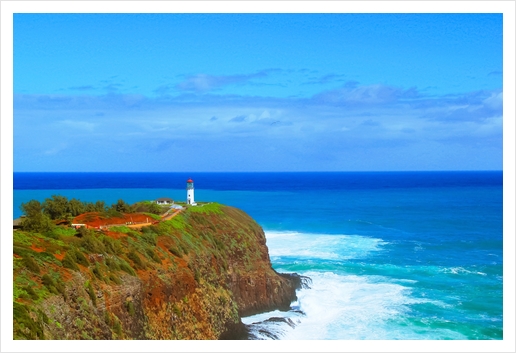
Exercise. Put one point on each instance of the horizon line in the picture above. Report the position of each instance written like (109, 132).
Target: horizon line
(286, 171)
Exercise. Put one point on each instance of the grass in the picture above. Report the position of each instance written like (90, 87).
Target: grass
(22, 238)
(64, 231)
(178, 222)
(152, 215)
(208, 208)
(121, 229)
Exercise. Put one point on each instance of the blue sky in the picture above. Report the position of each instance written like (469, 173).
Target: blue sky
(257, 92)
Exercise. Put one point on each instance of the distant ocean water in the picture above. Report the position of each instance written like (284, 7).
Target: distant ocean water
(391, 255)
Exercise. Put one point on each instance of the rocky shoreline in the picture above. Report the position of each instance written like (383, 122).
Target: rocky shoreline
(242, 331)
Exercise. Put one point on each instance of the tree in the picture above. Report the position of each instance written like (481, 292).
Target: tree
(31, 208)
(35, 220)
(89, 207)
(100, 206)
(122, 206)
(75, 207)
(155, 208)
(56, 207)
(147, 206)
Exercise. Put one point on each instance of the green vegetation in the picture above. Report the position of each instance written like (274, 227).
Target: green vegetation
(55, 287)
(25, 327)
(29, 262)
(69, 262)
(207, 208)
(121, 229)
(62, 231)
(39, 216)
(68, 268)
(91, 292)
(149, 207)
(130, 307)
(152, 216)
(35, 220)
(133, 256)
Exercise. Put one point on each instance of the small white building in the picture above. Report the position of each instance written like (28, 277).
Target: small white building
(164, 201)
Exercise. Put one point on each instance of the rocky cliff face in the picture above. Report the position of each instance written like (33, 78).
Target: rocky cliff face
(191, 277)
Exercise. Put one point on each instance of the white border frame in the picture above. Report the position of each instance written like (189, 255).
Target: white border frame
(505, 7)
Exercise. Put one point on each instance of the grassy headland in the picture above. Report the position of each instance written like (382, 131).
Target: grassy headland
(189, 277)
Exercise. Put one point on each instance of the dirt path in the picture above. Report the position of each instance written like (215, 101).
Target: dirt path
(166, 217)
(170, 216)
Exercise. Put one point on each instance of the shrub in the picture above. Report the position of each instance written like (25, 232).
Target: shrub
(24, 327)
(111, 245)
(112, 264)
(152, 254)
(133, 256)
(107, 318)
(152, 229)
(93, 245)
(31, 292)
(114, 278)
(124, 266)
(54, 287)
(149, 238)
(130, 307)
(175, 251)
(111, 213)
(83, 231)
(96, 271)
(117, 327)
(69, 262)
(47, 280)
(79, 257)
(29, 262)
(91, 292)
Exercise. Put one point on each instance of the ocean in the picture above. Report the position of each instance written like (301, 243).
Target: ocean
(390, 255)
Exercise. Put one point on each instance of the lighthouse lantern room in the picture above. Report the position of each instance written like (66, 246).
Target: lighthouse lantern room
(190, 192)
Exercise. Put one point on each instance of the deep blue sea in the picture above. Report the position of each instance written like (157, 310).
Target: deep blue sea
(391, 255)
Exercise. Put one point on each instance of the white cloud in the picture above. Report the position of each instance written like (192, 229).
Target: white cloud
(495, 101)
(55, 149)
(75, 125)
(204, 82)
(160, 128)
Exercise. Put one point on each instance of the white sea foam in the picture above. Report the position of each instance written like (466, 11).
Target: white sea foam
(321, 246)
(344, 307)
(461, 270)
(341, 305)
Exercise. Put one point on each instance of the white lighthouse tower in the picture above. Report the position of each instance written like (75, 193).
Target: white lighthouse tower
(190, 193)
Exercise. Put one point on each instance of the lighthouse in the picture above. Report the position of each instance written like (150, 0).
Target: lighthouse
(190, 193)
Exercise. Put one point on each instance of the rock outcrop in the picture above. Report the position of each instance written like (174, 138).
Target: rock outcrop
(191, 277)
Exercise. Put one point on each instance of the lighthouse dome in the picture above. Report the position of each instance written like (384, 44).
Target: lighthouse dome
(189, 181)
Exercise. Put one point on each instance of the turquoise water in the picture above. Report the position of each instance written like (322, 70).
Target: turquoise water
(419, 258)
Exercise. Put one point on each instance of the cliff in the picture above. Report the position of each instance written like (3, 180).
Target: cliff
(191, 277)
